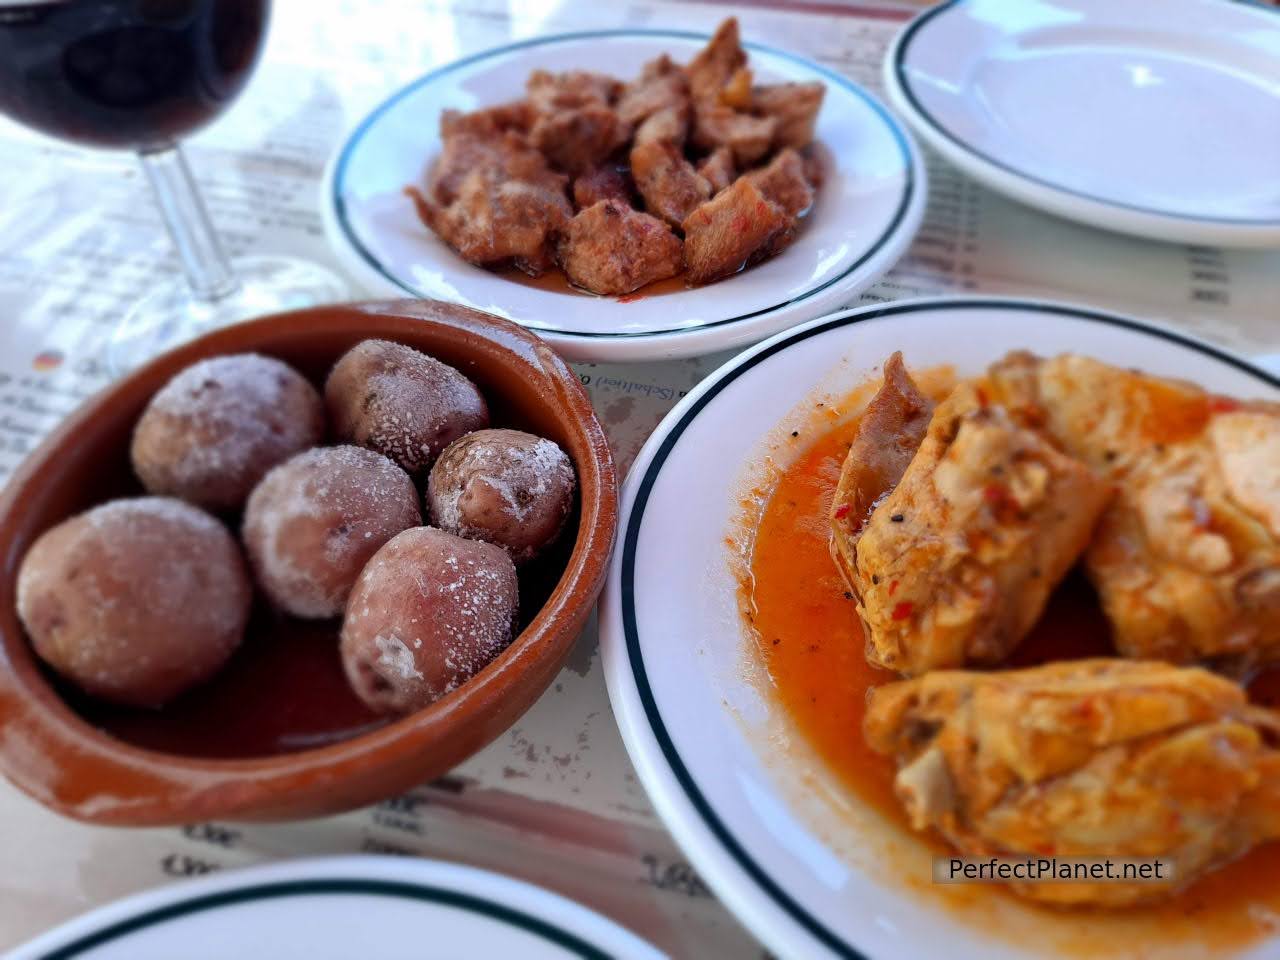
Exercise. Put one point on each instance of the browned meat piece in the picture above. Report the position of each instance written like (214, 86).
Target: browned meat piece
(575, 140)
(605, 182)
(889, 433)
(740, 225)
(1084, 758)
(718, 169)
(671, 188)
(737, 92)
(506, 153)
(611, 249)
(574, 88)
(749, 137)
(662, 85)
(795, 106)
(575, 127)
(537, 263)
(783, 181)
(492, 197)
(716, 63)
(517, 116)
(814, 168)
(668, 125)
(477, 141)
(719, 82)
(492, 220)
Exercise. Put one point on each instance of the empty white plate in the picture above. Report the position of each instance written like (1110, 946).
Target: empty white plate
(865, 215)
(1157, 120)
(338, 908)
(804, 862)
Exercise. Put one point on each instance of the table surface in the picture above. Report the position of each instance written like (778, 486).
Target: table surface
(555, 799)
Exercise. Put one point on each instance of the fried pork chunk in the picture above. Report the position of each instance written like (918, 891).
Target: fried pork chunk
(516, 115)
(738, 226)
(794, 107)
(612, 249)
(718, 169)
(1187, 557)
(956, 564)
(1086, 758)
(575, 125)
(716, 64)
(889, 433)
(574, 88)
(746, 135)
(671, 188)
(720, 86)
(605, 182)
(668, 125)
(662, 86)
(491, 196)
(484, 140)
(783, 181)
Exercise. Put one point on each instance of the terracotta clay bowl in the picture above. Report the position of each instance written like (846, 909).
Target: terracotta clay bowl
(278, 734)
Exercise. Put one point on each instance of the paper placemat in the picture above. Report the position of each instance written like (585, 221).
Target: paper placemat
(554, 800)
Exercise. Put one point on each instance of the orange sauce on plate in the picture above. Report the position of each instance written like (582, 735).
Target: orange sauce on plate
(811, 643)
(555, 281)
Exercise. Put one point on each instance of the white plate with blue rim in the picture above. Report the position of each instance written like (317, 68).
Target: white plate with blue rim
(866, 212)
(1164, 123)
(337, 908)
(805, 863)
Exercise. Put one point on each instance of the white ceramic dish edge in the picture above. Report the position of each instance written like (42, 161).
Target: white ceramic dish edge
(492, 896)
(1062, 202)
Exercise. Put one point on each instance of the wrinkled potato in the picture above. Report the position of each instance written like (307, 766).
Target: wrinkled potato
(402, 403)
(314, 521)
(429, 612)
(212, 432)
(136, 600)
(506, 487)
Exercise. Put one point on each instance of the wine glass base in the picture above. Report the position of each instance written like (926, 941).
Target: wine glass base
(169, 315)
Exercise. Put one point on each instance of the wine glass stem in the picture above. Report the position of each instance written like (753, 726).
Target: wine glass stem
(206, 265)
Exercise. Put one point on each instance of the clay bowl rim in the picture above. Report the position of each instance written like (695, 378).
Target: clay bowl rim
(227, 788)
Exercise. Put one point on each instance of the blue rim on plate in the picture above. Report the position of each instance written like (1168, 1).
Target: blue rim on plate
(899, 53)
(635, 518)
(899, 135)
(322, 886)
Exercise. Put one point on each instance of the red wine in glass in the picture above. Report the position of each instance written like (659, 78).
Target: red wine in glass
(140, 75)
(135, 75)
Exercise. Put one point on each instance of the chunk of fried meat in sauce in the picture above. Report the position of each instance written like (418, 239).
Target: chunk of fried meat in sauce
(1186, 559)
(889, 433)
(490, 195)
(953, 523)
(952, 536)
(695, 159)
(611, 248)
(1169, 494)
(1084, 758)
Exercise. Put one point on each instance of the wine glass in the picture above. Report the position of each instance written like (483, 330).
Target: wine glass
(140, 74)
